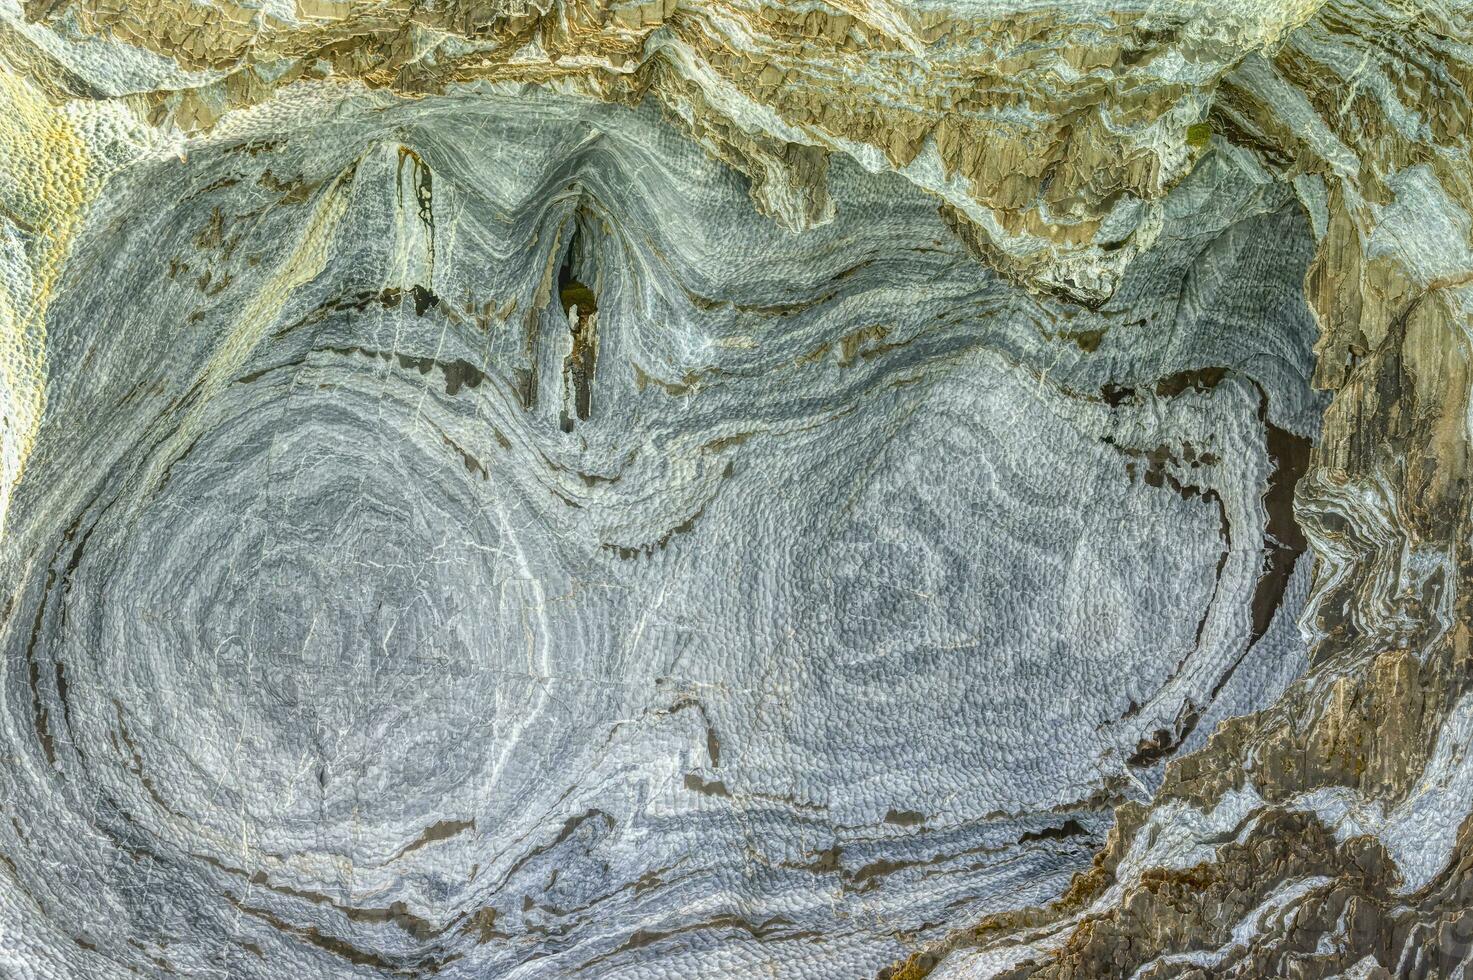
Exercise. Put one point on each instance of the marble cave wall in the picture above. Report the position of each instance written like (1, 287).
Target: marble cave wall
(734, 488)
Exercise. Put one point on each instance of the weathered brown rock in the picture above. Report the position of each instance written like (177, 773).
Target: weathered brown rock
(1049, 137)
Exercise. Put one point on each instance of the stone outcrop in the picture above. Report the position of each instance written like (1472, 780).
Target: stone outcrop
(710, 489)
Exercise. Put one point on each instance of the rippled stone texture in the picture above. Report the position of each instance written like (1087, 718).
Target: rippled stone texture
(824, 492)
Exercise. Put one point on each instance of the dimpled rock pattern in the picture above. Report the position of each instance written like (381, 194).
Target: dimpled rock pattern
(700, 490)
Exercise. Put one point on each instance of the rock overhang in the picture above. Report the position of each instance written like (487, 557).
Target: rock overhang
(910, 539)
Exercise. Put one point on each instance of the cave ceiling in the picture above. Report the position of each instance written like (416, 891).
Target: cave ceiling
(724, 488)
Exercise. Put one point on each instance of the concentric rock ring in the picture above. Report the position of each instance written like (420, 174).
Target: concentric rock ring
(402, 614)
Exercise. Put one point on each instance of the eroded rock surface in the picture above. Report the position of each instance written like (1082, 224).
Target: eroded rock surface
(727, 489)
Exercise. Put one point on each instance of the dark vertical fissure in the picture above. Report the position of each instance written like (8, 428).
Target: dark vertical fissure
(579, 306)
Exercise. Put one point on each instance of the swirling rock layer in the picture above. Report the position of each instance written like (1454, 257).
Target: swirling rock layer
(723, 490)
